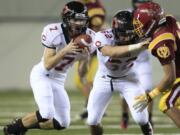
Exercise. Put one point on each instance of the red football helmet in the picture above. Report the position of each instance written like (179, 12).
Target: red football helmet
(147, 17)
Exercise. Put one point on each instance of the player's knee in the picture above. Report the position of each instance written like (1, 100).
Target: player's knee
(92, 121)
(141, 120)
(42, 117)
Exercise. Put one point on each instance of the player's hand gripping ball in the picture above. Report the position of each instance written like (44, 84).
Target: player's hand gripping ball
(83, 41)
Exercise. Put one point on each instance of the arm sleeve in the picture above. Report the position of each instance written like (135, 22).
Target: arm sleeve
(164, 51)
(47, 38)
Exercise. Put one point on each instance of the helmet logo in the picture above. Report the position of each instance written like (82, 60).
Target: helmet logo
(138, 26)
(163, 52)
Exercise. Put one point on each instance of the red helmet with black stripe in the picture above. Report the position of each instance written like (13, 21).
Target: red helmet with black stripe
(147, 18)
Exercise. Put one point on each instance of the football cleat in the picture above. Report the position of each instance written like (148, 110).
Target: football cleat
(125, 121)
(6, 131)
(124, 124)
(14, 128)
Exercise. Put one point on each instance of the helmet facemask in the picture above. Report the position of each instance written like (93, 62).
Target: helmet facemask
(77, 25)
(144, 31)
(122, 28)
(138, 27)
(123, 37)
(147, 18)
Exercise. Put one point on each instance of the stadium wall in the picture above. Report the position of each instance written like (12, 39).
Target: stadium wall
(39, 9)
(21, 24)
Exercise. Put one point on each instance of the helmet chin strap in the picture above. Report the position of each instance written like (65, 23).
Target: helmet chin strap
(150, 28)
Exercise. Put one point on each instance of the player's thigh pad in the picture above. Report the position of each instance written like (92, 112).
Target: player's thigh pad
(144, 74)
(170, 99)
(42, 90)
(98, 101)
(62, 105)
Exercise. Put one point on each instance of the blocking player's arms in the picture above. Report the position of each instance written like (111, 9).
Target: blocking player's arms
(118, 51)
(168, 77)
(52, 58)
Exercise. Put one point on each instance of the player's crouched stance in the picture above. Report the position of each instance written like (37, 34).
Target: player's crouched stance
(115, 72)
(150, 21)
(47, 78)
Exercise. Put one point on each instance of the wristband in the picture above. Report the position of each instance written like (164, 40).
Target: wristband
(155, 92)
(134, 47)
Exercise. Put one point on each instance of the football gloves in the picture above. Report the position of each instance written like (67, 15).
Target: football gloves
(141, 102)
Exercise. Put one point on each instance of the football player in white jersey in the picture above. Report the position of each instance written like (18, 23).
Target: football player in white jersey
(115, 73)
(47, 77)
(144, 72)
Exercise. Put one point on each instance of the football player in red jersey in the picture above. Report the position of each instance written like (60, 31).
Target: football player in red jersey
(144, 73)
(150, 21)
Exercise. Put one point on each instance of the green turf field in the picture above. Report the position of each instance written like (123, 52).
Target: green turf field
(17, 103)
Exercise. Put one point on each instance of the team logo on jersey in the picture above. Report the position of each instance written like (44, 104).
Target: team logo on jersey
(98, 43)
(163, 52)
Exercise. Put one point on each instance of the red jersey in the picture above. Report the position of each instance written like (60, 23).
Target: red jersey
(165, 44)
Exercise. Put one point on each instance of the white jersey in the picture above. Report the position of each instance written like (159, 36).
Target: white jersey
(143, 56)
(116, 67)
(54, 36)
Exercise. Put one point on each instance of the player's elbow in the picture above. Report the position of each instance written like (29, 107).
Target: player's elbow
(170, 79)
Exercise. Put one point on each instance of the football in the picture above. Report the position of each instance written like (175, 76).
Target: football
(83, 40)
